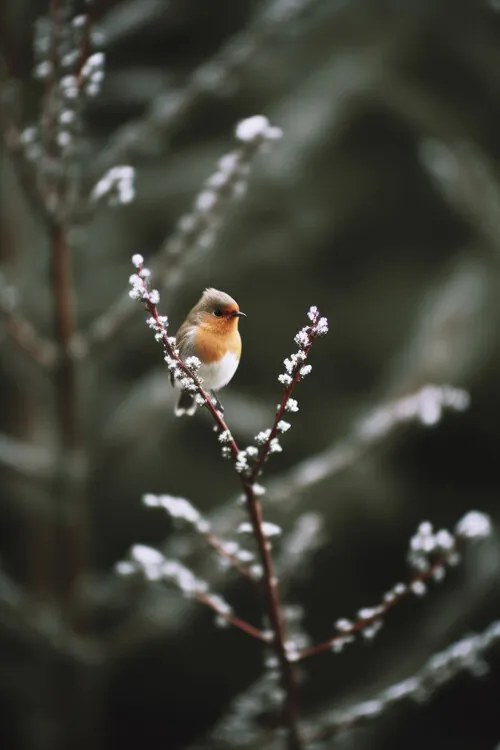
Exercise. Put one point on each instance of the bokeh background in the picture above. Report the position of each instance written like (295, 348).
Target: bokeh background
(381, 205)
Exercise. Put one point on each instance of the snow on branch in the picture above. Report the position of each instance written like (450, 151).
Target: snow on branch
(465, 655)
(430, 554)
(425, 405)
(155, 567)
(181, 510)
(170, 109)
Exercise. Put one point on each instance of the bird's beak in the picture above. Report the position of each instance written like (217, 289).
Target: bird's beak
(239, 314)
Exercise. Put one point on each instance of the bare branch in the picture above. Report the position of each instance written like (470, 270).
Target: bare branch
(155, 567)
(429, 555)
(296, 368)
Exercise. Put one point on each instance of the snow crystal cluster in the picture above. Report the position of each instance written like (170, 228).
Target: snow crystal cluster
(257, 128)
(140, 289)
(198, 228)
(426, 405)
(427, 546)
(368, 623)
(233, 549)
(269, 530)
(179, 509)
(70, 70)
(295, 367)
(92, 73)
(474, 525)
(430, 552)
(241, 463)
(117, 186)
(155, 567)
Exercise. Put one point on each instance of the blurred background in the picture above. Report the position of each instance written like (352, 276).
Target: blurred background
(380, 205)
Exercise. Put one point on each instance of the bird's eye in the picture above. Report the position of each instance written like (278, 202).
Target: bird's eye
(218, 313)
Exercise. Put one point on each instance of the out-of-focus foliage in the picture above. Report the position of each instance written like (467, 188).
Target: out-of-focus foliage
(380, 205)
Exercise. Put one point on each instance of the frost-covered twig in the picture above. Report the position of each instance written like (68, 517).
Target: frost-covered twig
(296, 369)
(70, 72)
(155, 567)
(169, 111)
(430, 553)
(425, 405)
(196, 231)
(465, 655)
(178, 508)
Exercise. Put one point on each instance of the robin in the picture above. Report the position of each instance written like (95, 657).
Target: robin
(210, 332)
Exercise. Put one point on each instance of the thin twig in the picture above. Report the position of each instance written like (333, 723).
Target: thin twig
(237, 622)
(380, 611)
(218, 545)
(425, 405)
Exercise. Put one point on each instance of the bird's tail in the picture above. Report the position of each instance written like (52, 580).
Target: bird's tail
(186, 404)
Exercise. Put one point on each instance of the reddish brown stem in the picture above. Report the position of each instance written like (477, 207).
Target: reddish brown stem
(274, 606)
(385, 607)
(64, 326)
(287, 393)
(68, 491)
(275, 611)
(237, 622)
(213, 541)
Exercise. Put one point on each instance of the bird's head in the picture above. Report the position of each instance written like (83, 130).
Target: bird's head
(217, 311)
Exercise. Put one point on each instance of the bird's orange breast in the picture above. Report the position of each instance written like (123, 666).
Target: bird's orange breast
(212, 345)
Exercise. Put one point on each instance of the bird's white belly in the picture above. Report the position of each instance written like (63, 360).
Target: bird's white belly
(218, 374)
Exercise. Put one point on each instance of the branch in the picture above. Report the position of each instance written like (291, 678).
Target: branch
(155, 567)
(465, 655)
(178, 508)
(425, 405)
(170, 110)
(430, 554)
(184, 373)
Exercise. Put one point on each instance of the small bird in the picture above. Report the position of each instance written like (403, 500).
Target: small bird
(210, 332)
